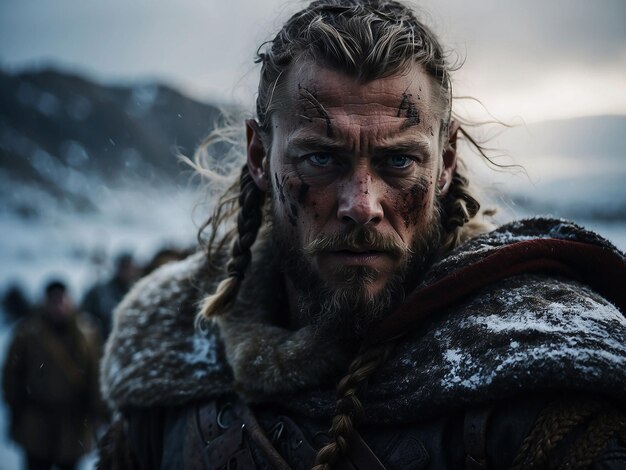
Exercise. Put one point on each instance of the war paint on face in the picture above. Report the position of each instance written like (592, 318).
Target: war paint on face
(309, 97)
(350, 156)
(414, 201)
(412, 114)
(285, 192)
(279, 188)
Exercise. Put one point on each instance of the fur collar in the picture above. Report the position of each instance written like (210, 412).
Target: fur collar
(532, 331)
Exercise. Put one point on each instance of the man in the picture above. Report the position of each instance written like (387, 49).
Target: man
(101, 299)
(50, 383)
(360, 315)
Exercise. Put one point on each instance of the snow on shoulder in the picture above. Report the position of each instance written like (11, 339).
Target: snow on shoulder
(155, 353)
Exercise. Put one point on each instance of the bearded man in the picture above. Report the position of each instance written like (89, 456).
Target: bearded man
(360, 315)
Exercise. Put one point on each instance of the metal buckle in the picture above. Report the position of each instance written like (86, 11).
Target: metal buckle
(225, 413)
(277, 431)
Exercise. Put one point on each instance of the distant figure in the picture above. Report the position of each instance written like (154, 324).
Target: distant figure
(102, 298)
(50, 383)
(15, 303)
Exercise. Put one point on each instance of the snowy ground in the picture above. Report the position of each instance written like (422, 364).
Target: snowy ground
(81, 247)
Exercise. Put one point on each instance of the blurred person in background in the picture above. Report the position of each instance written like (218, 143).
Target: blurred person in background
(50, 382)
(15, 303)
(101, 299)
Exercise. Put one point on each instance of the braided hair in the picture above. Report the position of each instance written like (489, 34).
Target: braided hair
(349, 407)
(249, 219)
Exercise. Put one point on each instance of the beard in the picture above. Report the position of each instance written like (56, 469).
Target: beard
(349, 308)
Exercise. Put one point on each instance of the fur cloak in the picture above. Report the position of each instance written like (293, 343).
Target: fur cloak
(529, 332)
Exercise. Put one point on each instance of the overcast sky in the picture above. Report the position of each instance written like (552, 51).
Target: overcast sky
(532, 60)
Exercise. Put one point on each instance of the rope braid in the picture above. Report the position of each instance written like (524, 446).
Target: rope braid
(349, 408)
(554, 424)
(590, 445)
(249, 220)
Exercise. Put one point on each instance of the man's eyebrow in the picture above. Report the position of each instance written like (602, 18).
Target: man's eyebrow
(316, 143)
(404, 146)
(320, 143)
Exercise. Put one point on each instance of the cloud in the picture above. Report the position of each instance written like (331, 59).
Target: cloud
(563, 30)
(515, 52)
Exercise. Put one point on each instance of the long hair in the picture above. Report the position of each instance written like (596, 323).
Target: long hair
(367, 40)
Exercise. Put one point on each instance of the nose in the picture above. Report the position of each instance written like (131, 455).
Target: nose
(359, 199)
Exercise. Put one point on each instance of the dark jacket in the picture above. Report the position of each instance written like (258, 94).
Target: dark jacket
(508, 343)
(50, 384)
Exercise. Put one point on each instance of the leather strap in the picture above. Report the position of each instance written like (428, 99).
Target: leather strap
(295, 444)
(226, 441)
(243, 460)
(206, 420)
(361, 455)
(224, 447)
(258, 436)
(475, 438)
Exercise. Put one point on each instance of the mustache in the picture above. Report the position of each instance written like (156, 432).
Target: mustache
(360, 239)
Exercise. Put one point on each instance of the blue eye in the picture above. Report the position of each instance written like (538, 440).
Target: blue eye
(320, 159)
(399, 161)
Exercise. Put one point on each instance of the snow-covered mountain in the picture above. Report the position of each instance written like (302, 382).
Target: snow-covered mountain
(88, 170)
(67, 138)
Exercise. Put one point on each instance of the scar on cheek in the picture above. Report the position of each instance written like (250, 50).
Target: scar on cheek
(309, 97)
(411, 112)
(413, 202)
(292, 208)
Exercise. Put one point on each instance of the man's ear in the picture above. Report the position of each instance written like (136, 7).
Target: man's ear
(449, 159)
(256, 156)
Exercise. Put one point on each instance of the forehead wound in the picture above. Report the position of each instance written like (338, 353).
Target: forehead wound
(409, 110)
(311, 107)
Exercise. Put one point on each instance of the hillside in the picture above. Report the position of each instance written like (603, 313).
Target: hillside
(66, 138)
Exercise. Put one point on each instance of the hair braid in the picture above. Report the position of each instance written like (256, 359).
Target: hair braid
(249, 220)
(591, 444)
(556, 420)
(349, 407)
(459, 207)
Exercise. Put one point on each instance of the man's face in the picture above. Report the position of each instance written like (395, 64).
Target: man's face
(353, 170)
